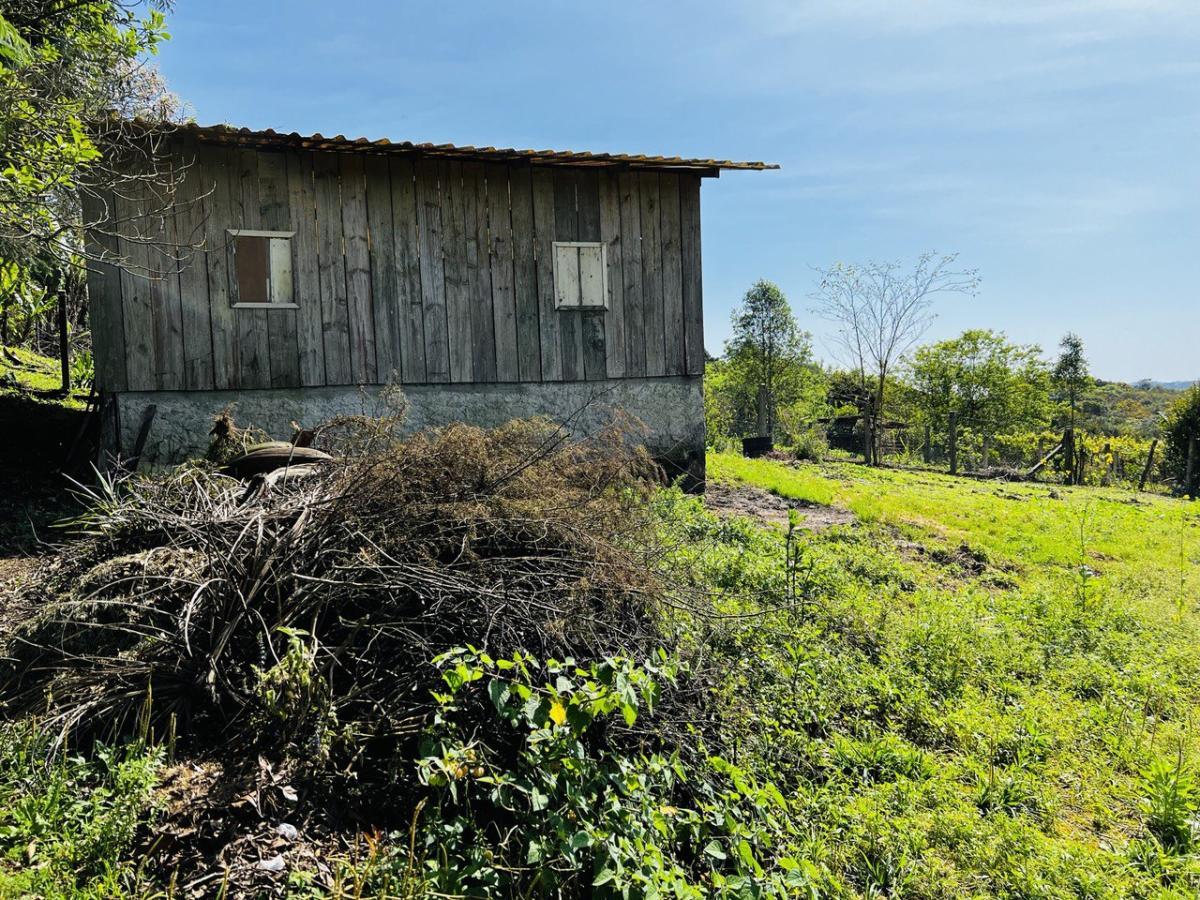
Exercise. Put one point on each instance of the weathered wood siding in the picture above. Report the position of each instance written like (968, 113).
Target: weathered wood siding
(405, 270)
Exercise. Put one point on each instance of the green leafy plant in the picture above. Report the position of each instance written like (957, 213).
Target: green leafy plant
(1171, 802)
(67, 820)
(543, 802)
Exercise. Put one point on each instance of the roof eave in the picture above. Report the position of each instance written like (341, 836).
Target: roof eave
(268, 139)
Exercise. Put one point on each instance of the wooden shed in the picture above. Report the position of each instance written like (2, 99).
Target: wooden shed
(293, 277)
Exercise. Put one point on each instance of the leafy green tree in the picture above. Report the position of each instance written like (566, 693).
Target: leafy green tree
(994, 386)
(1070, 376)
(1182, 426)
(767, 379)
(71, 75)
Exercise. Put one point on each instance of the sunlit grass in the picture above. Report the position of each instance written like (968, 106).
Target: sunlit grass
(1037, 643)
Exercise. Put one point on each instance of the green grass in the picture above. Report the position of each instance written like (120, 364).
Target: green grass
(1045, 531)
(29, 372)
(979, 690)
(67, 823)
(794, 483)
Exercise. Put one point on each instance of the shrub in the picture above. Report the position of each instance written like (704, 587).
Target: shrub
(540, 803)
(1181, 427)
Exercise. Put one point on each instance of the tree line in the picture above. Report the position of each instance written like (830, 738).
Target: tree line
(977, 395)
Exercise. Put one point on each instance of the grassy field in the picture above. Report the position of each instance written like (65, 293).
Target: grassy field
(1003, 679)
(973, 689)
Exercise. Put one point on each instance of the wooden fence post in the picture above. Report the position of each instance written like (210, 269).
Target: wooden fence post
(1149, 463)
(1068, 443)
(953, 443)
(64, 343)
(928, 449)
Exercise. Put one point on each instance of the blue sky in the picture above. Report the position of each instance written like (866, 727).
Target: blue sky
(1054, 145)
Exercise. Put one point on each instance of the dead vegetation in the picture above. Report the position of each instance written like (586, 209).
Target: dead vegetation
(296, 624)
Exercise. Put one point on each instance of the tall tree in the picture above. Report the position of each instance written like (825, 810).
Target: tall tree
(881, 310)
(992, 385)
(1071, 377)
(768, 357)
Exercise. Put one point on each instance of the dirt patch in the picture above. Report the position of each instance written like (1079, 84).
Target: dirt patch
(235, 829)
(960, 563)
(755, 503)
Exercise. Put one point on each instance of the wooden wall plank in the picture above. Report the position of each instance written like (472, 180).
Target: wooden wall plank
(479, 272)
(610, 234)
(408, 265)
(631, 268)
(591, 322)
(306, 276)
(104, 291)
(274, 203)
(356, 243)
(504, 301)
(335, 315)
(672, 273)
(218, 171)
(430, 174)
(458, 279)
(548, 317)
(193, 276)
(136, 302)
(693, 297)
(652, 284)
(254, 343)
(385, 278)
(165, 308)
(566, 228)
(525, 289)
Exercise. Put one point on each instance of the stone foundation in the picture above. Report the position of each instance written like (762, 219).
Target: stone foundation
(672, 410)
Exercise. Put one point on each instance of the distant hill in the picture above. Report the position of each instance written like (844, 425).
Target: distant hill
(1114, 407)
(1166, 385)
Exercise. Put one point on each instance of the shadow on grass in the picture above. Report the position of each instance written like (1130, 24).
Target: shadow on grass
(36, 435)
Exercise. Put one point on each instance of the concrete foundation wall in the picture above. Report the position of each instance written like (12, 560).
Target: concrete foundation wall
(672, 409)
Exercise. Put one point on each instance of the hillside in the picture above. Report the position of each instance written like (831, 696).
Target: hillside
(1116, 408)
(888, 684)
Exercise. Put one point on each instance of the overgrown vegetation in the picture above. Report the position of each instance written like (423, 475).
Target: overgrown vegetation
(67, 821)
(490, 664)
(1182, 431)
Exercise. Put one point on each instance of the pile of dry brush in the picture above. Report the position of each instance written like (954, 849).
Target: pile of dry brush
(300, 621)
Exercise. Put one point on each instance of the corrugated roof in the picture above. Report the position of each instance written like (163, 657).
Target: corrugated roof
(245, 137)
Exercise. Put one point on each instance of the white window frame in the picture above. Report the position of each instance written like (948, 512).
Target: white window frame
(277, 288)
(560, 278)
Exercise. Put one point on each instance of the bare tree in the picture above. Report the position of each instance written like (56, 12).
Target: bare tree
(881, 310)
